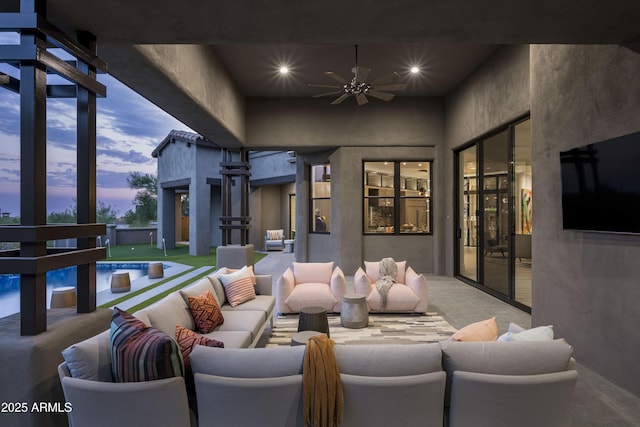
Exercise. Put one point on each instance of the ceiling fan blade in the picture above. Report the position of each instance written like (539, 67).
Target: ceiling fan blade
(361, 73)
(335, 92)
(340, 99)
(326, 86)
(335, 77)
(386, 79)
(361, 98)
(381, 95)
(397, 86)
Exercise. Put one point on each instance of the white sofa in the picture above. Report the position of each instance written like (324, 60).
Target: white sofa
(86, 373)
(413, 385)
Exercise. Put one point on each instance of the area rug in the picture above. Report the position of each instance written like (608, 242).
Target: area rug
(382, 329)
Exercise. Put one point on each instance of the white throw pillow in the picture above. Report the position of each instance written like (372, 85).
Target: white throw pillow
(541, 333)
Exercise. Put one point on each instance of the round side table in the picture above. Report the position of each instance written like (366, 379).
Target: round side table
(355, 313)
(313, 319)
(301, 338)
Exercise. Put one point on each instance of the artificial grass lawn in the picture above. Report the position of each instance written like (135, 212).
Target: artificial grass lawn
(180, 254)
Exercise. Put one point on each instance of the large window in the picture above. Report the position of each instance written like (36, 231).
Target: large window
(397, 197)
(320, 199)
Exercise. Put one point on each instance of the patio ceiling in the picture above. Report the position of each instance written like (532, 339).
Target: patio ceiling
(251, 39)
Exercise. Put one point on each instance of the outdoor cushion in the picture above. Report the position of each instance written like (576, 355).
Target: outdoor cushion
(140, 352)
(311, 294)
(250, 321)
(238, 286)
(206, 312)
(232, 339)
(199, 288)
(399, 298)
(312, 272)
(169, 312)
(264, 303)
(484, 330)
(218, 288)
(248, 363)
(90, 359)
(187, 340)
(388, 360)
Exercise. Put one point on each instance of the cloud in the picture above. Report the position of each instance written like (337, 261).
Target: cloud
(128, 129)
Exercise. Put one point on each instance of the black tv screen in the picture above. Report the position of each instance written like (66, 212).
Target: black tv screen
(601, 186)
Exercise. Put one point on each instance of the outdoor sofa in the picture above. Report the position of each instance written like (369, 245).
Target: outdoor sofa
(86, 373)
(459, 384)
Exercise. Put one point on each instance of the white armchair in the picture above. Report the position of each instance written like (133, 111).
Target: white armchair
(274, 239)
(408, 294)
(309, 284)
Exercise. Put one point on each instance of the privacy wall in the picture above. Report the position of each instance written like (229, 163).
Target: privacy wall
(585, 284)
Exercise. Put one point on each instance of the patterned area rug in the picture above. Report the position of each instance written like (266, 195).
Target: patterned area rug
(382, 329)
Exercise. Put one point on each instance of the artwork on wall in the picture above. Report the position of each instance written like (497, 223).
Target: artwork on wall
(526, 210)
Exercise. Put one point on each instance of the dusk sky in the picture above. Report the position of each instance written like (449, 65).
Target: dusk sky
(128, 129)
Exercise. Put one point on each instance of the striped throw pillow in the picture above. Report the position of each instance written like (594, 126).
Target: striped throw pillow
(187, 340)
(275, 234)
(140, 352)
(238, 287)
(206, 312)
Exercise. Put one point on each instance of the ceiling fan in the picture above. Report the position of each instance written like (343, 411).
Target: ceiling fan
(359, 87)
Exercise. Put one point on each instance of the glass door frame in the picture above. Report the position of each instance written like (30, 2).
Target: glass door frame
(478, 143)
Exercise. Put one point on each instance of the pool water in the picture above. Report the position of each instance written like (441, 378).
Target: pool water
(10, 283)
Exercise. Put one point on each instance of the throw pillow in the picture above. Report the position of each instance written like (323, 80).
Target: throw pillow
(485, 330)
(206, 312)
(249, 269)
(140, 352)
(238, 287)
(187, 340)
(541, 333)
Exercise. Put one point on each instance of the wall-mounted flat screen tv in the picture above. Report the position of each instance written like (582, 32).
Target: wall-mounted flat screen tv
(601, 186)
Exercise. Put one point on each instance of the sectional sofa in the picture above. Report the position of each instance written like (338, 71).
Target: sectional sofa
(86, 373)
(524, 383)
(459, 384)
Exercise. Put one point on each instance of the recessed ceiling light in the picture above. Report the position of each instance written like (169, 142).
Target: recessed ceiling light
(415, 70)
(284, 69)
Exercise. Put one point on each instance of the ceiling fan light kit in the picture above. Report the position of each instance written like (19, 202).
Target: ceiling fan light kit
(359, 87)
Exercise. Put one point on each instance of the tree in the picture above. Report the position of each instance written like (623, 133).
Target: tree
(146, 200)
(105, 214)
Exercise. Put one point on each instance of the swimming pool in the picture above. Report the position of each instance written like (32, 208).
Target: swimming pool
(10, 283)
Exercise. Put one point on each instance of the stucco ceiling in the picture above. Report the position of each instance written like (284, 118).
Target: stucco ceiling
(449, 38)
(251, 38)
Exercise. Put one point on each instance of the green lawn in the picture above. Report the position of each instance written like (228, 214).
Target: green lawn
(146, 252)
(180, 254)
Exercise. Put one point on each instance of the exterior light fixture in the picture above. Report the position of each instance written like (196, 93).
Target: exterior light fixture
(284, 69)
(415, 70)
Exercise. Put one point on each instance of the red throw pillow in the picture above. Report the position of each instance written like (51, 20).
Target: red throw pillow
(188, 339)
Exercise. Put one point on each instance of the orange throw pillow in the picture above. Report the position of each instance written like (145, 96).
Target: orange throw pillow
(484, 330)
(206, 312)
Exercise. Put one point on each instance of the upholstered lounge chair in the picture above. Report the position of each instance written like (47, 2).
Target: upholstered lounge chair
(311, 284)
(274, 239)
(408, 294)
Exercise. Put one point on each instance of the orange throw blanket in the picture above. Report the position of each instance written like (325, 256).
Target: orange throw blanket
(323, 399)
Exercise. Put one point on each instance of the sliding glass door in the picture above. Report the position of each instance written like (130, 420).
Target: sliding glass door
(494, 214)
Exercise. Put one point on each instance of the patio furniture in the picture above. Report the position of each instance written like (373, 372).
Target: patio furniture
(120, 282)
(274, 239)
(313, 319)
(155, 270)
(355, 313)
(310, 284)
(408, 294)
(64, 296)
(302, 337)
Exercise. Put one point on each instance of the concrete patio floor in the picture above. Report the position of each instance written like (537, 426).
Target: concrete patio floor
(597, 402)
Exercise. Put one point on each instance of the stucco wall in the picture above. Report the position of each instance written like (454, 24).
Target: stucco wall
(496, 94)
(585, 284)
(303, 123)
